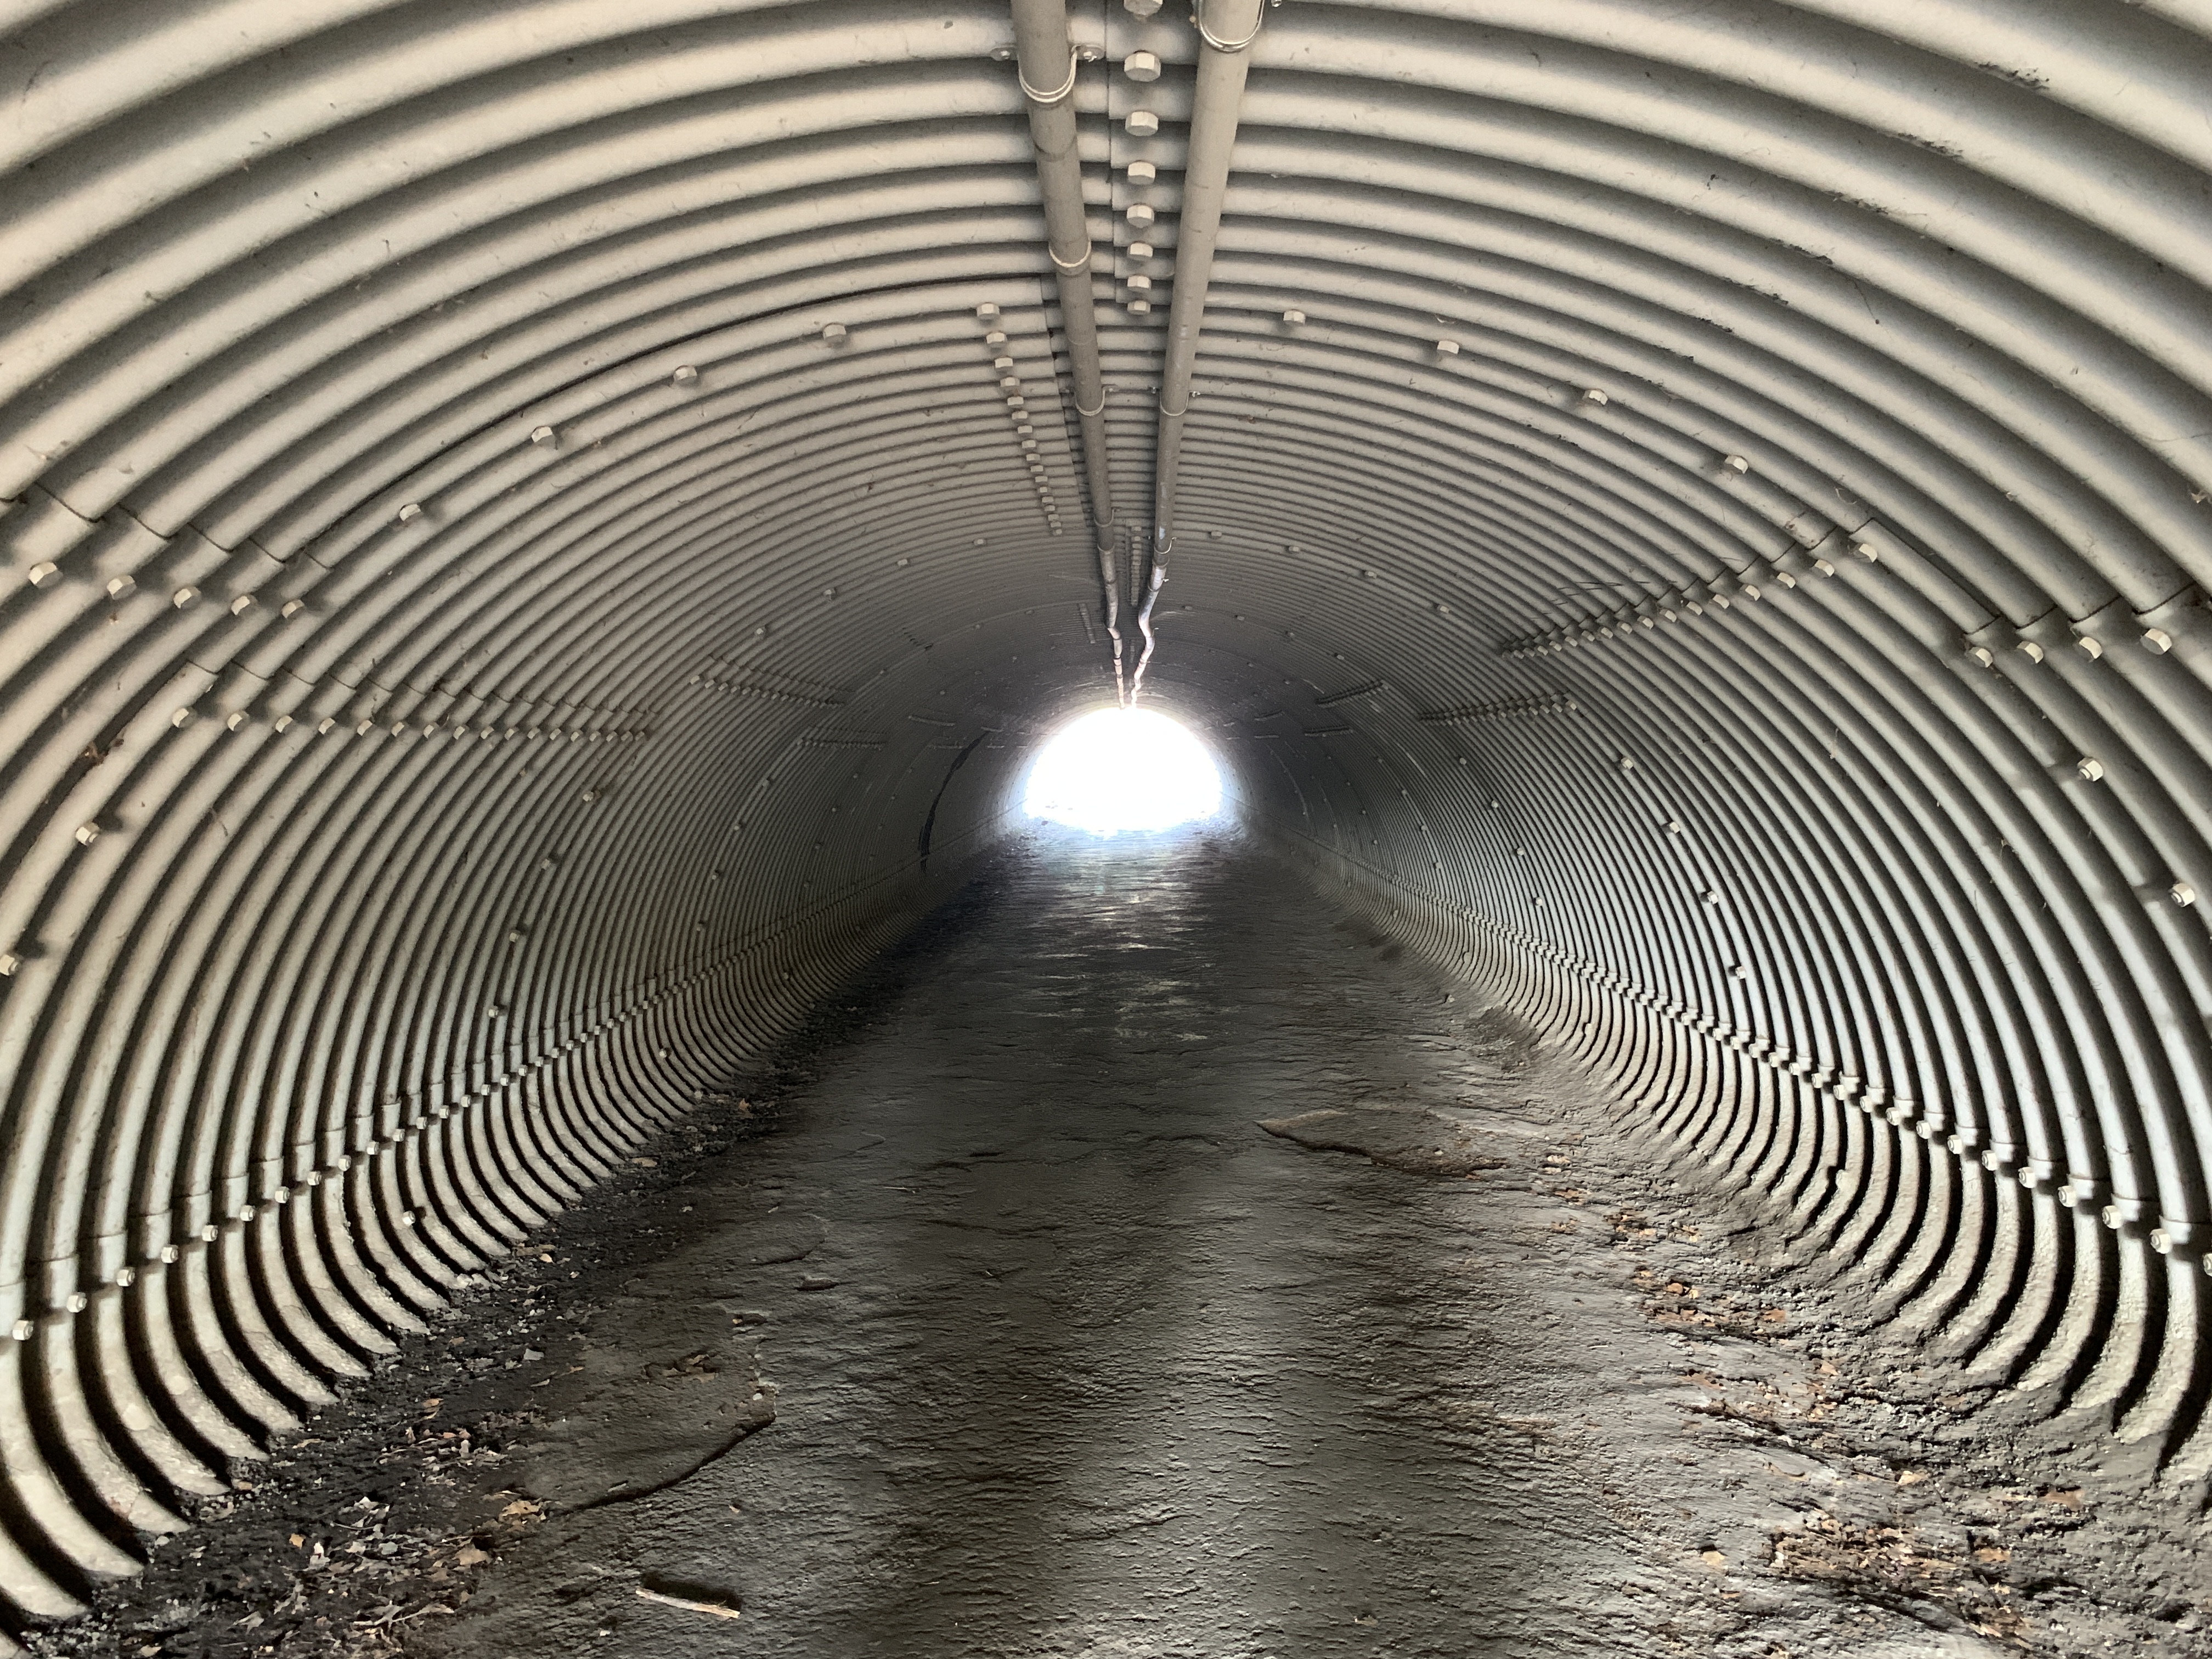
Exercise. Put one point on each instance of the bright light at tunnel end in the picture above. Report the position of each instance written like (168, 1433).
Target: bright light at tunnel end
(1123, 769)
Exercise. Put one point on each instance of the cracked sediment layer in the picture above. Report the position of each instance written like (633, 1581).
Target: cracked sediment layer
(1148, 1260)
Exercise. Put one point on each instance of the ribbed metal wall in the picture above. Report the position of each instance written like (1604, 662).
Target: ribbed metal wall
(526, 519)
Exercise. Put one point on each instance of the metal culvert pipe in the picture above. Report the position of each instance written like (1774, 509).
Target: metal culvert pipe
(520, 570)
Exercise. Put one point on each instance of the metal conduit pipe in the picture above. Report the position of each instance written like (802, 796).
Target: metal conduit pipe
(1048, 64)
(518, 571)
(1226, 30)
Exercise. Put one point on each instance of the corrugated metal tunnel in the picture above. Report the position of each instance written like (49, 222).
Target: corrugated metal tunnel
(540, 535)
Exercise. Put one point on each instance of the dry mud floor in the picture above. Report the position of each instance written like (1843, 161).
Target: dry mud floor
(1148, 1259)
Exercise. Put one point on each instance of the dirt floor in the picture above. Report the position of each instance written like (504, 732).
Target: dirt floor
(1147, 1261)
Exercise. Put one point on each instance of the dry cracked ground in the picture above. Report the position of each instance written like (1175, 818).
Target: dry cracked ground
(1148, 1260)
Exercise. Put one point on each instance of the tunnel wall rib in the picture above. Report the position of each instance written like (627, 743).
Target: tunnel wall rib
(538, 536)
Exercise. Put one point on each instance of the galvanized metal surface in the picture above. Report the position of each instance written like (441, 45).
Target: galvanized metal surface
(517, 544)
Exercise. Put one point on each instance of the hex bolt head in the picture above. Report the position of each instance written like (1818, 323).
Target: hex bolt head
(121, 588)
(1868, 552)
(1141, 124)
(183, 597)
(2092, 646)
(1982, 654)
(1139, 214)
(1140, 250)
(684, 375)
(292, 608)
(1739, 972)
(241, 604)
(2158, 640)
(541, 435)
(833, 333)
(410, 511)
(1143, 66)
(1448, 348)
(1735, 463)
(2029, 649)
(1592, 395)
(41, 575)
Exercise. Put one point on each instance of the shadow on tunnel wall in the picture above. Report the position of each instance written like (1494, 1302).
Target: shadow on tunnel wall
(525, 525)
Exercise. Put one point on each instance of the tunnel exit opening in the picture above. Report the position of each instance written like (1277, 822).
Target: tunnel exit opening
(1121, 769)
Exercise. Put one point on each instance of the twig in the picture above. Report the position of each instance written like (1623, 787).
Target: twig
(719, 1609)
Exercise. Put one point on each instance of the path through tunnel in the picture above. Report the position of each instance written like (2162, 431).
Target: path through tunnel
(542, 538)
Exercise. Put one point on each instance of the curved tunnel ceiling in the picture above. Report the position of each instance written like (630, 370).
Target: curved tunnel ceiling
(539, 534)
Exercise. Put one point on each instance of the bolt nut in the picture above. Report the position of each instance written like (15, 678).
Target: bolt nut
(2158, 640)
(2182, 894)
(86, 834)
(77, 1302)
(2089, 769)
(10, 962)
